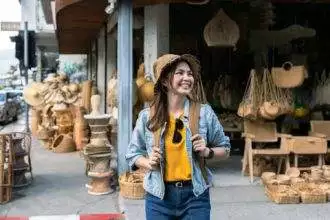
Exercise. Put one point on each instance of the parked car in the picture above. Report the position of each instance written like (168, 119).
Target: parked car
(9, 106)
(19, 98)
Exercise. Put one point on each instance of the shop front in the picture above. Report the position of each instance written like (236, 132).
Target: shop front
(264, 72)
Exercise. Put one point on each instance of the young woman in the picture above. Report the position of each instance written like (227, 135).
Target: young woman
(163, 144)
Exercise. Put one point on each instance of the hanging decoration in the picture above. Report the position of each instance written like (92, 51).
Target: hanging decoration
(248, 108)
(288, 76)
(221, 31)
(263, 99)
(274, 101)
(145, 85)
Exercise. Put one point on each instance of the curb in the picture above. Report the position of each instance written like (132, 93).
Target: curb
(67, 217)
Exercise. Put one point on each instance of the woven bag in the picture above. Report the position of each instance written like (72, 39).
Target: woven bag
(288, 76)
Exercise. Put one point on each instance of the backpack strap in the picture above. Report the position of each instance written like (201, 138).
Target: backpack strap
(194, 112)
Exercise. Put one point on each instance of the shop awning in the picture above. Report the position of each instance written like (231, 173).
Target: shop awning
(79, 21)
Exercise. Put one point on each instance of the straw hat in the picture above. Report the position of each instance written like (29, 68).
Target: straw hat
(163, 64)
(168, 60)
(38, 86)
(32, 96)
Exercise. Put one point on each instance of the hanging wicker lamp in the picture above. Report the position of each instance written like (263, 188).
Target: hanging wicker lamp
(221, 31)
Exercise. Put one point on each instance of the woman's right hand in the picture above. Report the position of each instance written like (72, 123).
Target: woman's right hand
(154, 159)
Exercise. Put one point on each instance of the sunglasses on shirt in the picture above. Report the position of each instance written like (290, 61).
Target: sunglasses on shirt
(177, 137)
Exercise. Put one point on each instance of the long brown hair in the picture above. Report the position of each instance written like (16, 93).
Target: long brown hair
(159, 106)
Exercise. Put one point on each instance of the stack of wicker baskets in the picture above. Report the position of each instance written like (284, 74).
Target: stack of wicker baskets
(131, 185)
(6, 168)
(294, 187)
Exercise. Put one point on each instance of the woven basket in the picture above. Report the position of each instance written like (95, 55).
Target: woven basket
(297, 182)
(6, 168)
(63, 144)
(316, 173)
(266, 176)
(131, 190)
(288, 76)
(283, 179)
(310, 198)
(326, 173)
(293, 172)
(246, 110)
(275, 194)
(328, 195)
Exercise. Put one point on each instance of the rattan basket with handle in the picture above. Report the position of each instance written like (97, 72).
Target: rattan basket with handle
(63, 144)
(131, 185)
(288, 76)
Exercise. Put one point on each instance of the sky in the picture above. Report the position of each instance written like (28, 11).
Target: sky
(10, 10)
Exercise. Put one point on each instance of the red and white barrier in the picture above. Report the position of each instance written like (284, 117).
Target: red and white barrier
(68, 217)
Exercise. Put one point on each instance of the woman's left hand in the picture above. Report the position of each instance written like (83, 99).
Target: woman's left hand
(199, 145)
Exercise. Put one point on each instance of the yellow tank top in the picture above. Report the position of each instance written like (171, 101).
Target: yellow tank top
(177, 164)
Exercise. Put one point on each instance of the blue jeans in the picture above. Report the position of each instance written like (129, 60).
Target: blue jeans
(179, 203)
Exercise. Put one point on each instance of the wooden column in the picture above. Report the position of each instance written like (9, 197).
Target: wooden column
(156, 34)
(125, 79)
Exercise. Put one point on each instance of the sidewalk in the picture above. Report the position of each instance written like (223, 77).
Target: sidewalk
(68, 217)
(58, 187)
(234, 198)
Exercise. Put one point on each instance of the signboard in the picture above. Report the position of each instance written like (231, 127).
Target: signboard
(10, 26)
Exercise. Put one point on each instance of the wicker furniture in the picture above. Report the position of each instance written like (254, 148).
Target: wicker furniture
(308, 145)
(22, 168)
(6, 168)
(264, 132)
(321, 127)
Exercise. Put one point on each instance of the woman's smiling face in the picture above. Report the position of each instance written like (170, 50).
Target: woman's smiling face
(182, 81)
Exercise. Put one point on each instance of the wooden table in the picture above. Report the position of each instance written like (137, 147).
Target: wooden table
(308, 145)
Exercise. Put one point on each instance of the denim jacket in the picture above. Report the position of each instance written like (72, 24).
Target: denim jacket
(142, 141)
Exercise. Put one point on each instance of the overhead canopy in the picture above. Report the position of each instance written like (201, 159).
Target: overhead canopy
(79, 21)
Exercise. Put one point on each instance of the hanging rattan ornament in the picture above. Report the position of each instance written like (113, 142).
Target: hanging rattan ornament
(248, 108)
(221, 31)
